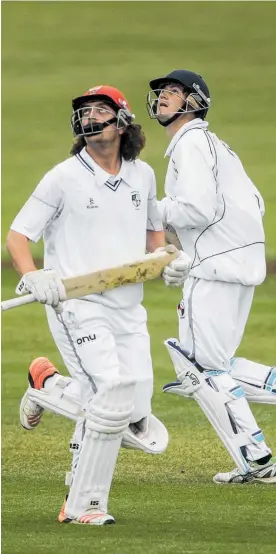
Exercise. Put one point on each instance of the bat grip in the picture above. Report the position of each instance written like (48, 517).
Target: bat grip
(19, 301)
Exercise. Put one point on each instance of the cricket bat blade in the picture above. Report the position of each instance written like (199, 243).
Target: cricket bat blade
(147, 268)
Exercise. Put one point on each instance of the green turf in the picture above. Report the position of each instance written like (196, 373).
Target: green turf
(163, 504)
(51, 52)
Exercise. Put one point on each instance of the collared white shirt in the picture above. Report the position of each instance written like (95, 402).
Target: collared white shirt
(214, 207)
(193, 124)
(91, 220)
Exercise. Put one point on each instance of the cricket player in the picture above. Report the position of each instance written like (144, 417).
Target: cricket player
(216, 212)
(95, 210)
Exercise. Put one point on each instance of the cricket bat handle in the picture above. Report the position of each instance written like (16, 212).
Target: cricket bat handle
(15, 302)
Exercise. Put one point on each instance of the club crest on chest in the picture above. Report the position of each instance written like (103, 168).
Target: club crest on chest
(136, 199)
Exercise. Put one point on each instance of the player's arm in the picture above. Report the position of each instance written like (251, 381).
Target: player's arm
(175, 273)
(155, 239)
(195, 202)
(20, 252)
(155, 232)
(38, 212)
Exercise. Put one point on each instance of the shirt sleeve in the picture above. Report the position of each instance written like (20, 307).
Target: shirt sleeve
(154, 221)
(41, 208)
(260, 201)
(195, 200)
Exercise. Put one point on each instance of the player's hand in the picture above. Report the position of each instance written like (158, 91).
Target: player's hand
(177, 271)
(45, 284)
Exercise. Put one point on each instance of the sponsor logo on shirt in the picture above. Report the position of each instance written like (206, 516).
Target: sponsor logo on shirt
(136, 199)
(91, 204)
(88, 338)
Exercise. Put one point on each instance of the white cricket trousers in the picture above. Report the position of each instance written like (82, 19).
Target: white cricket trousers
(212, 318)
(99, 344)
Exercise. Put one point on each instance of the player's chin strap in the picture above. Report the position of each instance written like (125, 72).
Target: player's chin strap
(221, 400)
(171, 120)
(96, 128)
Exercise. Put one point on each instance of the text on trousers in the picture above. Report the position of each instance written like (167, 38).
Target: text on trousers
(86, 339)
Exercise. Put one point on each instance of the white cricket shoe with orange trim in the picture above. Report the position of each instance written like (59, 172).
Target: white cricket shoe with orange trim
(93, 517)
(30, 412)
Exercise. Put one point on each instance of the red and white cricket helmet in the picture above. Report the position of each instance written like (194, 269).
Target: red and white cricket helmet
(112, 96)
(103, 92)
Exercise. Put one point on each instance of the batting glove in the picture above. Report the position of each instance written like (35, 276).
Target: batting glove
(176, 273)
(45, 284)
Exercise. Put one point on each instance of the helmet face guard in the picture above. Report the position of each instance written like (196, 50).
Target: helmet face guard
(191, 104)
(83, 122)
(196, 99)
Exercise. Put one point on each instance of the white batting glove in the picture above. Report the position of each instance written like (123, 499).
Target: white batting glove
(176, 273)
(45, 284)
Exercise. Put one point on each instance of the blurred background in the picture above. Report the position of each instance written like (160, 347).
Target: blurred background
(52, 52)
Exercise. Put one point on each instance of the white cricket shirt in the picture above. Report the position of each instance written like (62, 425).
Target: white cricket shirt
(91, 220)
(214, 207)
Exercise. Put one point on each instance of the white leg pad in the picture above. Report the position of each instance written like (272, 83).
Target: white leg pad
(149, 435)
(75, 449)
(107, 416)
(58, 399)
(218, 396)
(257, 380)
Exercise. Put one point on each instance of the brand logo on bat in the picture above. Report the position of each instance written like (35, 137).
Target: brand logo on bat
(87, 338)
(136, 199)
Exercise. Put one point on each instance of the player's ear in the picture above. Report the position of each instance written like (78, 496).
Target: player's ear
(122, 130)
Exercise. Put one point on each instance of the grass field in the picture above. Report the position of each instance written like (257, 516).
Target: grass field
(163, 504)
(52, 51)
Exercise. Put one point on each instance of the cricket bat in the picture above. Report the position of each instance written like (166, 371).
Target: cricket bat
(147, 268)
(171, 237)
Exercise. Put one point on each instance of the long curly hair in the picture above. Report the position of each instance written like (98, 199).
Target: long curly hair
(133, 141)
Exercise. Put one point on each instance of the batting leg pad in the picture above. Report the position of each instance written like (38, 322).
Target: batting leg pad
(257, 380)
(75, 449)
(107, 416)
(62, 398)
(225, 406)
(149, 435)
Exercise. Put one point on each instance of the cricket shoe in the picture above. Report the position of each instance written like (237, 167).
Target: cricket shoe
(30, 412)
(259, 473)
(93, 517)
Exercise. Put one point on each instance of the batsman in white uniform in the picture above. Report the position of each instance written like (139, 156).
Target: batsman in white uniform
(216, 212)
(95, 210)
